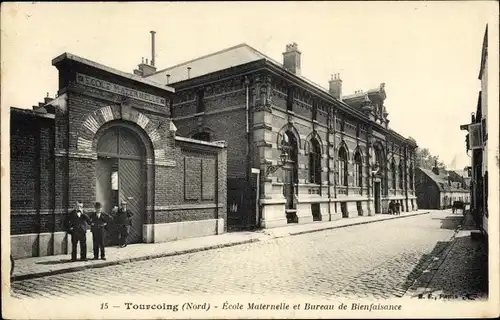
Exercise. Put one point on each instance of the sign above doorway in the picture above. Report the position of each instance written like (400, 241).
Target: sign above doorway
(121, 90)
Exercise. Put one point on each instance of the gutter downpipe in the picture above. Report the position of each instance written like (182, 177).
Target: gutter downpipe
(249, 160)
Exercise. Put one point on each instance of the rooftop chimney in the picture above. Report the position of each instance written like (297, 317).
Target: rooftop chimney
(145, 69)
(291, 58)
(168, 78)
(435, 169)
(47, 99)
(153, 48)
(336, 86)
(189, 72)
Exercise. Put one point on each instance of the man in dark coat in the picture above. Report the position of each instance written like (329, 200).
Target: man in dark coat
(77, 224)
(392, 207)
(123, 219)
(98, 225)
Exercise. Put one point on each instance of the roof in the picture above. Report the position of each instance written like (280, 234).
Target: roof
(242, 54)
(220, 60)
(357, 99)
(441, 181)
(462, 174)
(38, 112)
(72, 57)
(360, 95)
(224, 59)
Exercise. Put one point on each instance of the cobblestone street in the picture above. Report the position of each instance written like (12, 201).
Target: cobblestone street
(379, 260)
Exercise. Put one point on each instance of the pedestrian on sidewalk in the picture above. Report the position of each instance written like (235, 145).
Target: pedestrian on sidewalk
(98, 225)
(77, 224)
(392, 207)
(123, 221)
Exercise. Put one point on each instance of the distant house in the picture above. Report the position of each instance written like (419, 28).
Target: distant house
(437, 189)
(461, 176)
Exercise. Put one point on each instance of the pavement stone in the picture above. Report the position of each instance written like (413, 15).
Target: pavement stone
(377, 260)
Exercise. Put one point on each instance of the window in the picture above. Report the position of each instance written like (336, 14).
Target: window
(393, 173)
(289, 99)
(315, 162)
(343, 166)
(204, 136)
(358, 170)
(200, 107)
(401, 177)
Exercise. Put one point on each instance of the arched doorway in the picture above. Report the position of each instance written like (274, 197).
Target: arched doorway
(120, 174)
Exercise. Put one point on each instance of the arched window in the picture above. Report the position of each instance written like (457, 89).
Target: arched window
(315, 162)
(393, 174)
(358, 170)
(401, 176)
(204, 136)
(343, 166)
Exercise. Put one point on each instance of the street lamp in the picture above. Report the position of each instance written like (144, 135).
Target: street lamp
(283, 156)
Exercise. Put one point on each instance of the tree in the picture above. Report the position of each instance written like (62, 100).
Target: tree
(426, 160)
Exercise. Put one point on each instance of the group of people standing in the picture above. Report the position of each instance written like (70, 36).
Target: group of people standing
(78, 222)
(394, 207)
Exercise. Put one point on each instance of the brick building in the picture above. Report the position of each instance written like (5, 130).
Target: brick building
(477, 144)
(437, 189)
(108, 136)
(342, 159)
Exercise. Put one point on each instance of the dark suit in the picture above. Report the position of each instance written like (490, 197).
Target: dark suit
(392, 207)
(123, 219)
(77, 226)
(98, 226)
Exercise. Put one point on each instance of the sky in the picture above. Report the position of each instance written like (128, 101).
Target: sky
(427, 53)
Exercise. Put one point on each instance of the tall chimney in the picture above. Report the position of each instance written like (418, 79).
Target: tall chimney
(291, 58)
(145, 69)
(153, 48)
(336, 86)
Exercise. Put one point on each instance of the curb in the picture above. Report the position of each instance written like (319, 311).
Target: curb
(123, 261)
(193, 250)
(357, 223)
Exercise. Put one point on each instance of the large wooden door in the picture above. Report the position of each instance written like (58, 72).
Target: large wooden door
(120, 175)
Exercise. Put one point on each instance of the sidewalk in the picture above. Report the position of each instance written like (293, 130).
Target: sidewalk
(36, 267)
(459, 272)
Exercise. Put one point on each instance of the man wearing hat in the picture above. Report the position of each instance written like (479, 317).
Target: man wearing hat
(76, 224)
(98, 222)
(123, 220)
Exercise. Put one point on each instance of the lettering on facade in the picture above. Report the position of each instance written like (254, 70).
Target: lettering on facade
(121, 90)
